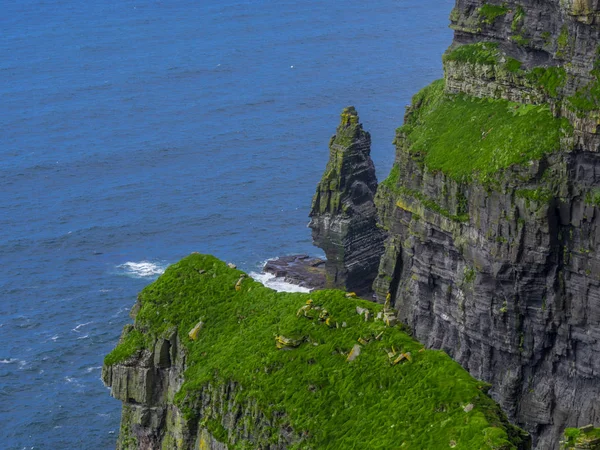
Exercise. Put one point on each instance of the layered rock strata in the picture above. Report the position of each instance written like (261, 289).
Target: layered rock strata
(500, 266)
(343, 215)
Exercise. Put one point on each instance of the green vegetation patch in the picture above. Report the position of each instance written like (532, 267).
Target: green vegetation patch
(593, 197)
(425, 401)
(479, 53)
(585, 437)
(550, 79)
(587, 98)
(518, 19)
(489, 13)
(131, 341)
(466, 137)
(539, 195)
(563, 42)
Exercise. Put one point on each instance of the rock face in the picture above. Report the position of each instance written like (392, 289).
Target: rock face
(301, 270)
(501, 268)
(343, 215)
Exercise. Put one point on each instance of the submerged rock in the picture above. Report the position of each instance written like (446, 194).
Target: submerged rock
(343, 215)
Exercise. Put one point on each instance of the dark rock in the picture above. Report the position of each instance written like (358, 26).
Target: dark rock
(301, 270)
(343, 214)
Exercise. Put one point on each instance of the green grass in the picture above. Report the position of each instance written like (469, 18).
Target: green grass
(550, 79)
(479, 53)
(520, 40)
(563, 42)
(576, 437)
(466, 137)
(518, 19)
(587, 98)
(366, 403)
(593, 197)
(489, 13)
(132, 341)
(513, 65)
(539, 195)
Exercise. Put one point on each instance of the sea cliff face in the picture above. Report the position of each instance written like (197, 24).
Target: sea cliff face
(492, 210)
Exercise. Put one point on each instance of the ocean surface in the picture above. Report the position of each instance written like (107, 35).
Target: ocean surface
(135, 132)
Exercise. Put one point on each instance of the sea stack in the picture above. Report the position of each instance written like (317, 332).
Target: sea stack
(343, 214)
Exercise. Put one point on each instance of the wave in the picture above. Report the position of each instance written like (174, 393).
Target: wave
(142, 269)
(76, 329)
(278, 284)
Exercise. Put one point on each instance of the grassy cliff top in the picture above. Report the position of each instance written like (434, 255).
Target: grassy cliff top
(429, 402)
(466, 137)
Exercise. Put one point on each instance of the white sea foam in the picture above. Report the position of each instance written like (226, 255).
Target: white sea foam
(76, 329)
(91, 369)
(278, 284)
(142, 269)
(85, 336)
(8, 361)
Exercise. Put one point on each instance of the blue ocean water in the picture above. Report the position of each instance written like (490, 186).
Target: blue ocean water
(133, 133)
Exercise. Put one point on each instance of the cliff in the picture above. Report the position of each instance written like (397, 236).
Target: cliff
(343, 215)
(215, 360)
(492, 210)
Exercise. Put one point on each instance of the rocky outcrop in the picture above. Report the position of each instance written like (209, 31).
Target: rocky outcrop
(147, 383)
(343, 215)
(301, 270)
(500, 268)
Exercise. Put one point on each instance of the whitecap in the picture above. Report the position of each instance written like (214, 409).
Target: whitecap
(8, 361)
(278, 284)
(142, 269)
(54, 338)
(84, 337)
(76, 329)
(91, 369)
